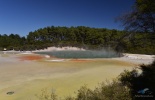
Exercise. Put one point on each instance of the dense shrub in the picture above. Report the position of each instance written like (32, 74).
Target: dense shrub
(110, 91)
(137, 82)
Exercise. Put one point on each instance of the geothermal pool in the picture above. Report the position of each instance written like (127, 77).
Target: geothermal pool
(81, 54)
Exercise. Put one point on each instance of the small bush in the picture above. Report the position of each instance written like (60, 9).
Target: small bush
(45, 95)
(111, 91)
(137, 82)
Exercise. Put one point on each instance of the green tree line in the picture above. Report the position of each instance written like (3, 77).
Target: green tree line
(12, 41)
(81, 36)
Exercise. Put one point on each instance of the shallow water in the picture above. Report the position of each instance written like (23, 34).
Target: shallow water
(81, 54)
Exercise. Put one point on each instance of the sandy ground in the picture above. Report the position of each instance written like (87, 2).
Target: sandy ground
(27, 77)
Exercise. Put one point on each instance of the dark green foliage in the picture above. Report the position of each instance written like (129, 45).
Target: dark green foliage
(110, 91)
(82, 37)
(73, 36)
(92, 38)
(141, 18)
(13, 41)
(141, 81)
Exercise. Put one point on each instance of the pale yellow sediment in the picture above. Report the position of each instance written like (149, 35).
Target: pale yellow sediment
(27, 78)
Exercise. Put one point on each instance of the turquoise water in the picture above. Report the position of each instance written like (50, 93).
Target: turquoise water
(81, 54)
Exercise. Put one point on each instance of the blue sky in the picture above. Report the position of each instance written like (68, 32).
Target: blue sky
(22, 16)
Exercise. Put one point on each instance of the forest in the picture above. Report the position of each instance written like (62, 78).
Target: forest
(83, 37)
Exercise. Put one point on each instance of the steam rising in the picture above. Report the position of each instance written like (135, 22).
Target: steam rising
(82, 54)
